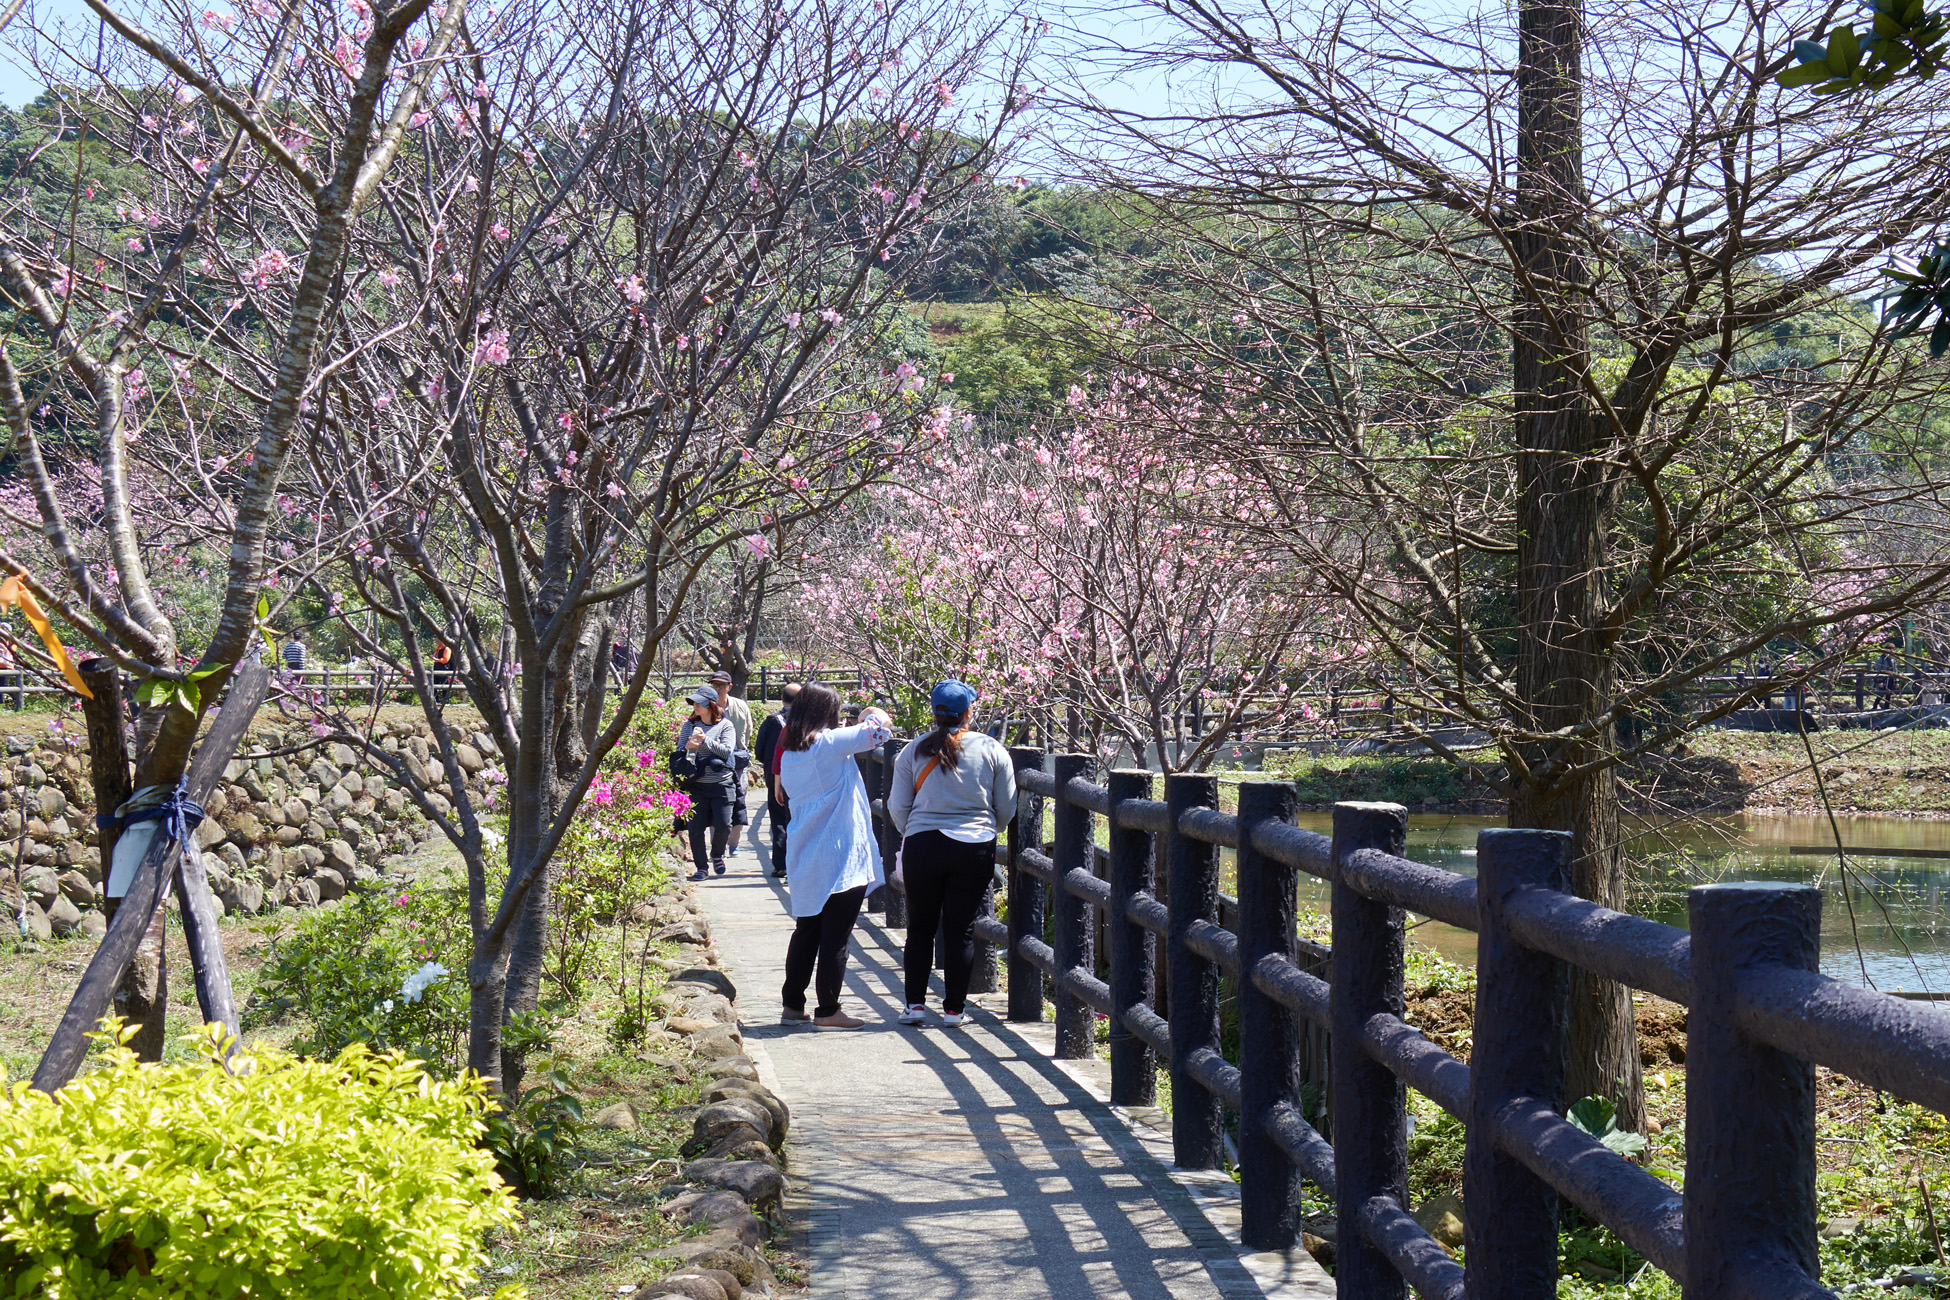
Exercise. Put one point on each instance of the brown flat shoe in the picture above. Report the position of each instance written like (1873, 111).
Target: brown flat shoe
(838, 1020)
(788, 1016)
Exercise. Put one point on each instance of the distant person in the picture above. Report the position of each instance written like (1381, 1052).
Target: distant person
(704, 746)
(953, 791)
(766, 751)
(1885, 680)
(622, 660)
(739, 714)
(294, 654)
(443, 669)
(833, 859)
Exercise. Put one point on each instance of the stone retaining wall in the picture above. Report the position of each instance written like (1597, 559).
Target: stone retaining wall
(292, 831)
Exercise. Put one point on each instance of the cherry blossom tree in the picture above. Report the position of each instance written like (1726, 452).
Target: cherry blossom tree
(620, 317)
(1088, 575)
(201, 112)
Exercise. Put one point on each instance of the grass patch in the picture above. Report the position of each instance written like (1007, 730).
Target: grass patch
(1420, 781)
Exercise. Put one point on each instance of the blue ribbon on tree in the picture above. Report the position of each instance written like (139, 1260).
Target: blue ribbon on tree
(178, 814)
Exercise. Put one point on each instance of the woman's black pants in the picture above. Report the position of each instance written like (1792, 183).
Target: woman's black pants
(947, 882)
(710, 812)
(821, 940)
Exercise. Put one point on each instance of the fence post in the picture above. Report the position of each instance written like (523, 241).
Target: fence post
(1750, 1108)
(1269, 1033)
(1076, 1020)
(1133, 1077)
(1522, 1027)
(1192, 882)
(1370, 1128)
(1025, 893)
(764, 683)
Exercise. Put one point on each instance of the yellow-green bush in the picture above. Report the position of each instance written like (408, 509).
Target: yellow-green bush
(356, 1177)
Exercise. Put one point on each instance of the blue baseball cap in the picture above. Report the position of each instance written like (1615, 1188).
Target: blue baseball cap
(951, 699)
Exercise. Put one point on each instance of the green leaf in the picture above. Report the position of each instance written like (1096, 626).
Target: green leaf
(1810, 51)
(263, 606)
(1801, 74)
(1844, 52)
(1940, 336)
(1597, 1117)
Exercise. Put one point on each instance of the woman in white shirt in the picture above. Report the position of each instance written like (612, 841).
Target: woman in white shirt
(832, 859)
(953, 790)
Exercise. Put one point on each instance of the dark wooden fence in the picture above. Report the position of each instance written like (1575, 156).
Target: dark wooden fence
(1761, 1016)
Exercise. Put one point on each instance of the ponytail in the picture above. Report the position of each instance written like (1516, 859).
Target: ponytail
(944, 742)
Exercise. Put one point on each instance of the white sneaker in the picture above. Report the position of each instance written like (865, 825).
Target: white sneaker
(913, 1016)
(953, 1019)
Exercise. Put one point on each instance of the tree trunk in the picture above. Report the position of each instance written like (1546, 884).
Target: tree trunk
(1564, 506)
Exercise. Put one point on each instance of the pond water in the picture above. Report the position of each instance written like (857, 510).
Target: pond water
(1898, 938)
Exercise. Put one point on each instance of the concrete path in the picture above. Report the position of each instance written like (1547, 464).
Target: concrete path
(943, 1164)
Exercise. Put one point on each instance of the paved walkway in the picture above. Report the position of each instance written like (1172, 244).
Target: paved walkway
(943, 1164)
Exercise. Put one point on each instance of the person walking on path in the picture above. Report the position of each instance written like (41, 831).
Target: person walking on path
(739, 714)
(833, 859)
(953, 790)
(705, 746)
(766, 750)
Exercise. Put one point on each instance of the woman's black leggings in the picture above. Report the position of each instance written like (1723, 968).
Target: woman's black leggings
(947, 881)
(821, 939)
(710, 812)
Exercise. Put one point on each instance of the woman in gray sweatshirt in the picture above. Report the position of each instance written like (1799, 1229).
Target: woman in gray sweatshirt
(952, 791)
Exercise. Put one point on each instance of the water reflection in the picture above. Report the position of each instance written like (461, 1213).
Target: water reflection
(1896, 938)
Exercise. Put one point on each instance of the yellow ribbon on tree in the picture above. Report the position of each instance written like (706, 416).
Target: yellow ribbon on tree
(14, 592)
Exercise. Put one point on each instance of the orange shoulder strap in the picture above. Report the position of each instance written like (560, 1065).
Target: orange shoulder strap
(929, 769)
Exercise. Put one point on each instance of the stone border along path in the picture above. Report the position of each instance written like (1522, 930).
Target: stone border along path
(942, 1164)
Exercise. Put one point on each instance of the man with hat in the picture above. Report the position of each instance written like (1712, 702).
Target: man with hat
(739, 715)
(709, 741)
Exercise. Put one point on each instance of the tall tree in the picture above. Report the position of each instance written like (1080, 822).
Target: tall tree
(1551, 312)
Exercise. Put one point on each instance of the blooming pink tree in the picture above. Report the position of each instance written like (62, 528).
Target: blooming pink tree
(1097, 576)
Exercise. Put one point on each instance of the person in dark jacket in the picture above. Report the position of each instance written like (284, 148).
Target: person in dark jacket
(707, 737)
(765, 753)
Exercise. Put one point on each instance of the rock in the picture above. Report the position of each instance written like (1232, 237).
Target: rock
(743, 1146)
(691, 930)
(208, 834)
(19, 745)
(295, 812)
(58, 830)
(322, 774)
(64, 917)
(232, 858)
(301, 893)
(743, 1089)
(290, 836)
(340, 857)
(1839, 1226)
(51, 802)
(35, 921)
(217, 804)
(721, 1250)
(692, 1286)
(705, 1206)
(718, 1043)
(331, 885)
(710, 1006)
(1319, 1247)
(715, 980)
(338, 800)
(686, 1025)
(740, 1067)
(1442, 1218)
(733, 1288)
(93, 925)
(743, 1227)
(344, 755)
(242, 892)
(37, 830)
(760, 1184)
(620, 1116)
(416, 746)
(470, 759)
(77, 889)
(42, 884)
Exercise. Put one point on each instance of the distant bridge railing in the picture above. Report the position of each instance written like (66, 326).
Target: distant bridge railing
(1761, 1016)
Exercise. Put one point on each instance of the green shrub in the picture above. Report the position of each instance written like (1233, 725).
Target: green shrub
(356, 1177)
(352, 974)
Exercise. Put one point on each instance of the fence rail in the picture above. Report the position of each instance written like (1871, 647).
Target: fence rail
(1761, 1016)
